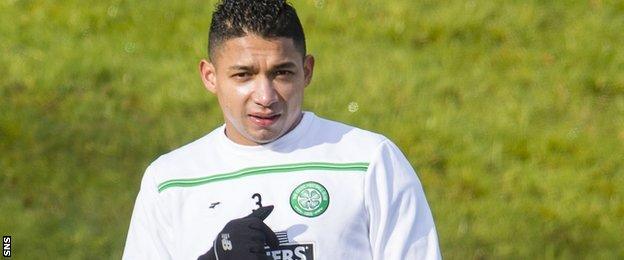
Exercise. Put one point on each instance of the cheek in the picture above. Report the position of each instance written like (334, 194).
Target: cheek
(293, 95)
(243, 90)
(288, 90)
(233, 97)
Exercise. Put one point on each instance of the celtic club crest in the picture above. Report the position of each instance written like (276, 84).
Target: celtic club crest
(310, 199)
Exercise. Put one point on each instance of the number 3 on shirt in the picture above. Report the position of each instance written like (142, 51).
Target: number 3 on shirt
(258, 198)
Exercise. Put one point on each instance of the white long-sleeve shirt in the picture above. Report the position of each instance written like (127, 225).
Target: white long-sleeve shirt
(339, 193)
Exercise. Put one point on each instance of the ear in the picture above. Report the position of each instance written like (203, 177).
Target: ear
(208, 75)
(308, 68)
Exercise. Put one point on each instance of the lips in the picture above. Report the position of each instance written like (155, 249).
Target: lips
(264, 120)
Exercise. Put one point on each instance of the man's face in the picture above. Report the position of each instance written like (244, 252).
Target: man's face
(259, 83)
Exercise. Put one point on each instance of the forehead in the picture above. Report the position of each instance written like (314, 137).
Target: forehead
(252, 49)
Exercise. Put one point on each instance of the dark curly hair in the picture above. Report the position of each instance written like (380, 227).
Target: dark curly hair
(265, 18)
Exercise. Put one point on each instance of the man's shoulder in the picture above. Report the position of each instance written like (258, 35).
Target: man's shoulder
(348, 141)
(185, 157)
(346, 133)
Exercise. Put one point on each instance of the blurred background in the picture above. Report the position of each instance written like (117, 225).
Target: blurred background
(512, 112)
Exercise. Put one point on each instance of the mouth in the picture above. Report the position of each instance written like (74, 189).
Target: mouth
(264, 120)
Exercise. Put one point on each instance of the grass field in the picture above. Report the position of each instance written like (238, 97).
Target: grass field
(511, 111)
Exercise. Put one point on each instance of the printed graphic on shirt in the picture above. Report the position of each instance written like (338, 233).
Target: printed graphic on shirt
(282, 237)
(258, 199)
(310, 199)
(292, 252)
(288, 250)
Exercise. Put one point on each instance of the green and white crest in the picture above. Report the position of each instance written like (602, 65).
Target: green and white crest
(310, 199)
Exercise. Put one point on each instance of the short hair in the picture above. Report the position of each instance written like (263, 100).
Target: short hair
(265, 18)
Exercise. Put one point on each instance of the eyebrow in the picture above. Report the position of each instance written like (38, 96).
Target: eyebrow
(284, 65)
(241, 67)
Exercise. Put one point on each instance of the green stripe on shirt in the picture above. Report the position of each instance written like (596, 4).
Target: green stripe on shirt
(359, 166)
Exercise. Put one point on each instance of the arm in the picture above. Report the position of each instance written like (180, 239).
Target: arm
(149, 235)
(400, 221)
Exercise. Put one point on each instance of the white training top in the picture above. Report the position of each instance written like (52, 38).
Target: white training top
(339, 193)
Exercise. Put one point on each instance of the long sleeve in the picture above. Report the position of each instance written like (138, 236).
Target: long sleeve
(149, 235)
(400, 221)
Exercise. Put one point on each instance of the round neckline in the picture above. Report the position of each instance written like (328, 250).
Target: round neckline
(283, 141)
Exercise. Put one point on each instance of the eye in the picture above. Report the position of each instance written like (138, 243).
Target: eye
(283, 73)
(241, 75)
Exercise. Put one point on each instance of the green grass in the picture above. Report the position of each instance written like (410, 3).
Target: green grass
(511, 111)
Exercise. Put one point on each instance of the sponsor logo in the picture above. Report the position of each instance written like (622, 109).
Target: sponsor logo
(225, 242)
(282, 237)
(291, 252)
(310, 199)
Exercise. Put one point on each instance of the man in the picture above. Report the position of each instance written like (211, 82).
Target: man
(274, 182)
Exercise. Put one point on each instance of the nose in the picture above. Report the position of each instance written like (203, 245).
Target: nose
(264, 92)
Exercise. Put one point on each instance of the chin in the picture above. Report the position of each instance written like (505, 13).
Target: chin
(263, 141)
(264, 138)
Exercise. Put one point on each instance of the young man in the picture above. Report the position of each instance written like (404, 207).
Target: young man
(274, 182)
